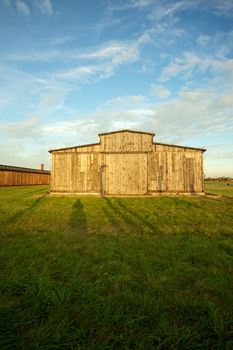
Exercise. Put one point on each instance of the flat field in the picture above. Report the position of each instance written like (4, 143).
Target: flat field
(128, 273)
(219, 188)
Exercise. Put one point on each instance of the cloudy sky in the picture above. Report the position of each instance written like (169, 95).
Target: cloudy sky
(71, 69)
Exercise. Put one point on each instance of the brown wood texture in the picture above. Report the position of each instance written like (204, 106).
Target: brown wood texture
(126, 142)
(21, 178)
(125, 173)
(126, 163)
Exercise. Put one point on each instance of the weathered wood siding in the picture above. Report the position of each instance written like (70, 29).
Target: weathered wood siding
(127, 163)
(175, 169)
(76, 172)
(125, 173)
(126, 142)
(20, 178)
(104, 173)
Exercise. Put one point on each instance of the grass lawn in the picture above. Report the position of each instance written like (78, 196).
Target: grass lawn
(129, 273)
(219, 188)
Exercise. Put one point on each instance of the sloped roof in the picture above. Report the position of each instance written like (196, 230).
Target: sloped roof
(21, 169)
(102, 134)
(79, 146)
(179, 146)
(131, 131)
(126, 130)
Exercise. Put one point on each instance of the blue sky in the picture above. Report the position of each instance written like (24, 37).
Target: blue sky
(71, 69)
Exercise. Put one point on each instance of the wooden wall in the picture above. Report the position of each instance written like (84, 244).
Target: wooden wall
(126, 142)
(175, 169)
(127, 163)
(76, 172)
(21, 178)
(125, 173)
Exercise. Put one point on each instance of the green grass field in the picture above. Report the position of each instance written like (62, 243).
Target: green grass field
(219, 188)
(101, 273)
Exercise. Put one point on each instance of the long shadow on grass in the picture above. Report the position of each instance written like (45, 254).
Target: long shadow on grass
(140, 218)
(78, 220)
(12, 219)
(113, 219)
(120, 213)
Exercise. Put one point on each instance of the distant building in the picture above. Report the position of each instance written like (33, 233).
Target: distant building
(19, 176)
(127, 162)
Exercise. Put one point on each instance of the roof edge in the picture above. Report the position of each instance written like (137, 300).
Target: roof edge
(172, 145)
(126, 130)
(22, 169)
(80, 146)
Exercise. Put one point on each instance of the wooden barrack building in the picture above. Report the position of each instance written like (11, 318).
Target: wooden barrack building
(127, 162)
(18, 176)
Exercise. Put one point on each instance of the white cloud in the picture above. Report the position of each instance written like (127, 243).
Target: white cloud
(112, 54)
(125, 100)
(108, 50)
(82, 73)
(170, 9)
(140, 3)
(131, 54)
(105, 23)
(118, 52)
(45, 56)
(23, 8)
(6, 98)
(185, 64)
(203, 40)
(62, 128)
(160, 91)
(52, 99)
(45, 6)
(189, 62)
(26, 129)
(19, 90)
(145, 37)
(7, 3)
(86, 127)
(109, 57)
(162, 10)
(224, 44)
(164, 31)
(195, 113)
(225, 101)
(222, 7)
(224, 66)
(61, 40)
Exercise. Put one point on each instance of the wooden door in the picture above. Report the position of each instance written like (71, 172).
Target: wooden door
(125, 173)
